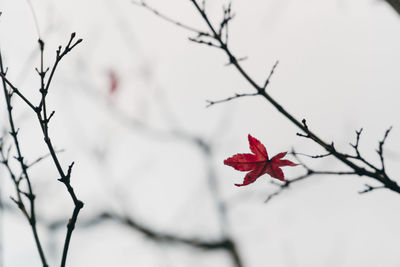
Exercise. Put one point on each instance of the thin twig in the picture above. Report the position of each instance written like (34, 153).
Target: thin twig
(36, 161)
(270, 74)
(311, 156)
(213, 102)
(380, 149)
(370, 188)
(200, 41)
(168, 19)
(309, 173)
(358, 153)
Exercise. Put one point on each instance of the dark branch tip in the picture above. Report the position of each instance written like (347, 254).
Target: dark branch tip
(41, 44)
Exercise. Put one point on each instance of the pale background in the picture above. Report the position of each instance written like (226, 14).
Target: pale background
(339, 64)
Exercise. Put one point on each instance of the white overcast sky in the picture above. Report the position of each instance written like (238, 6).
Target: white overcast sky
(339, 64)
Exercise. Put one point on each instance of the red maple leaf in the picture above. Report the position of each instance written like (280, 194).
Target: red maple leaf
(258, 163)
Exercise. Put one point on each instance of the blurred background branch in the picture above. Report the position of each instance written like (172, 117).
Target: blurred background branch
(395, 4)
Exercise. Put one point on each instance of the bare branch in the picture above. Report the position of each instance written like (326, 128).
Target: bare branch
(41, 113)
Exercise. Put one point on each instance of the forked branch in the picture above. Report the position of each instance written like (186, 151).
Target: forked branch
(43, 118)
